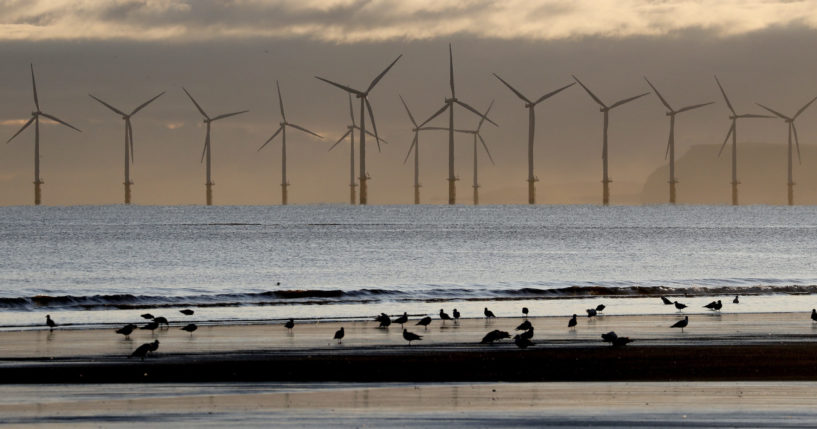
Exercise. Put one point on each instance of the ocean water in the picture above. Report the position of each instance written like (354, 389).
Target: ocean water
(247, 263)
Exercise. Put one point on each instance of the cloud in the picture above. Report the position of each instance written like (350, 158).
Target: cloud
(21, 122)
(351, 21)
(174, 125)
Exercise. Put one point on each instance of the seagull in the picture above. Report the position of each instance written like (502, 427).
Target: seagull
(444, 316)
(384, 320)
(572, 323)
(488, 313)
(666, 301)
(600, 308)
(681, 323)
(525, 312)
(190, 328)
(494, 335)
(736, 300)
(402, 319)
(527, 334)
(714, 305)
(813, 315)
(151, 325)
(187, 312)
(609, 337)
(51, 324)
(126, 330)
(147, 316)
(161, 320)
(290, 324)
(591, 312)
(522, 342)
(142, 351)
(424, 322)
(679, 306)
(524, 326)
(410, 336)
(154, 346)
(621, 341)
(456, 316)
(339, 335)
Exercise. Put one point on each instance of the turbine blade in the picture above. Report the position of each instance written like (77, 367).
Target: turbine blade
(660, 97)
(408, 111)
(349, 131)
(197, 104)
(435, 129)
(351, 110)
(482, 120)
(130, 138)
(666, 154)
(796, 142)
(451, 69)
(590, 92)
(383, 73)
(54, 118)
(227, 115)
(115, 110)
(552, 93)
(486, 149)
(782, 116)
(694, 106)
(804, 108)
(627, 100)
(518, 94)
(752, 115)
(442, 109)
(368, 133)
(280, 101)
(143, 105)
(21, 129)
(206, 143)
(413, 143)
(729, 134)
(272, 137)
(374, 126)
(476, 112)
(343, 87)
(305, 130)
(724, 95)
(34, 86)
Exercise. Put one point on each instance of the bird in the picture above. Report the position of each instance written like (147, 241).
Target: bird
(813, 315)
(527, 334)
(522, 342)
(666, 301)
(151, 325)
(290, 324)
(384, 320)
(600, 308)
(154, 346)
(141, 351)
(425, 321)
(609, 337)
(126, 330)
(524, 326)
(444, 316)
(591, 312)
(621, 341)
(187, 312)
(456, 316)
(410, 336)
(714, 305)
(525, 312)
(339, 335)
(161, 320)
(402, 319)
(572, 322)
(681, 323)
(494, 335)
(679, 306)
(190, 328)
(147, 316)
(50, 322)
(488, 313)
(736, 300)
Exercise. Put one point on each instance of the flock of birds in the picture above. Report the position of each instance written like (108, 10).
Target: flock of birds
(522, 340)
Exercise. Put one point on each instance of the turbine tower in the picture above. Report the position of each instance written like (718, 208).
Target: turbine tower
(415, 146)
(733, 131)
(350, 131)
(449, 104)
(282, 129)
(128, 138)
(792, 130)
(671, 142)
(35, 117)
(531, 105)
(605, 199)
(364, 105)
(206, 151)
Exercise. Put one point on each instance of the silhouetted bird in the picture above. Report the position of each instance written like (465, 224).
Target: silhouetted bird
(621, 341)
(591, 312)
(679, 306)
(290, 324)
(666, 301)
(456, 315)
(147, 316)
(402, 319)
(488, 313)
(525, 312)
(609, 337)
(714, 305)
(425, 321)
(524, 326)
(126, 330)
(444, 316)
(527, 334)
(51, 324)
(522, 342)
(384, 320)
(572, 322)
(151, 325)
(681, 323)
(190, 328)
(736, 300)
(494, 335)
(144, 349)
(339, 335)
(410, 336)
(161, 320)
(154, 346)
(187, 312)
(813, 315)
(600, 308)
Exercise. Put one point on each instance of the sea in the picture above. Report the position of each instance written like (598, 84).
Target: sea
(99, 265)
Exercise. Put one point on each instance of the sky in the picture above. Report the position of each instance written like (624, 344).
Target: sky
(229, 54)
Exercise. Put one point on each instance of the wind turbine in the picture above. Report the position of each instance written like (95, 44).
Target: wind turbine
(282, 129)
(671, 142)
(415, 146)
(449, 104)
(364, 105)
(128, 138)
(350, 132)
(733, 131)
(35, 117)
(606, 110)
(531, 105)
(206, 151)
(792, 130)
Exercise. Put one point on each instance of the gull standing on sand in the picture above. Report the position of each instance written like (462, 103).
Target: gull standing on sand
(522, 342)
(187, 312)
(144, 349)
(714, 305)
(126, 330)
(814, 315)
(50, 323)
(591, 312)
(151, 326)
(190, 328)
(600, 308)
(339, 335)
(456, 316)
(572, 323)
(410, 336)
(525, 312)
(736, 300)
(680, 306)
(290, 324)
(524, 326)
(384, 320)
(160, 320)
(609, 337)
(494, 335)
(681, 323)
(402, 319)
(425, 321)
(444, 316)
(488, 313)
